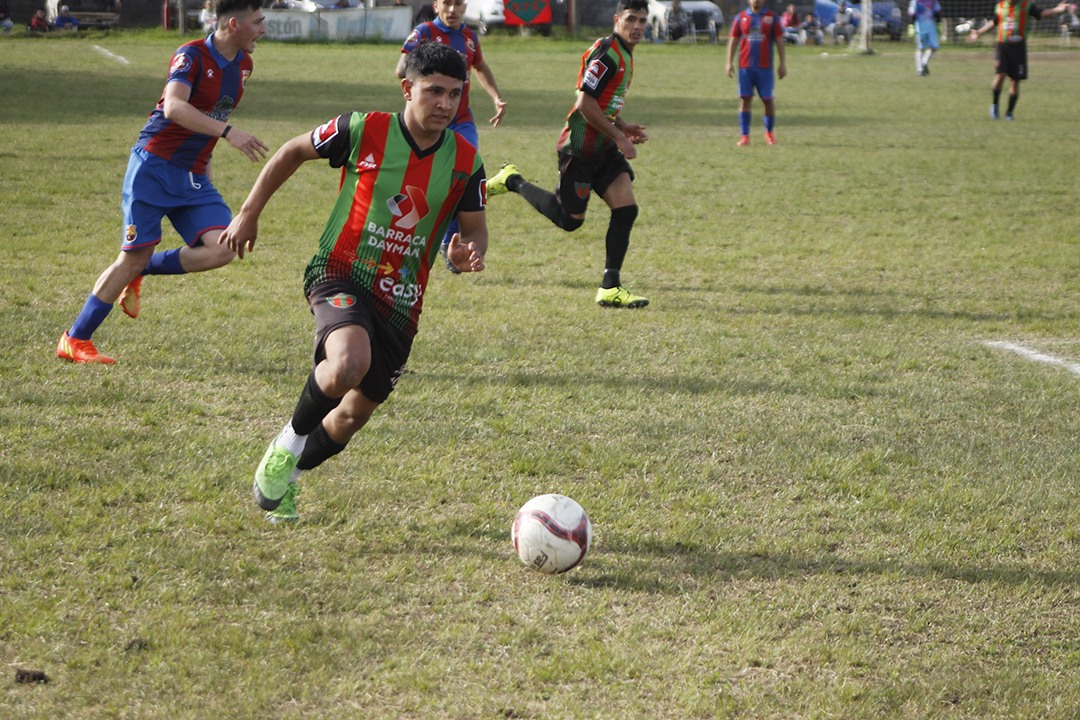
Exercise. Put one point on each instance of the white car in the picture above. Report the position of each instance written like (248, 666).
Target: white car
(707, 18)
(482, 15)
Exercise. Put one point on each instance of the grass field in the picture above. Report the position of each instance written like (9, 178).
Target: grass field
(817, 491)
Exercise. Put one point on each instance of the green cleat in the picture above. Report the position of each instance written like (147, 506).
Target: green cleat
(286, 509)
(497, 184)
(272, 477)
(619, 297)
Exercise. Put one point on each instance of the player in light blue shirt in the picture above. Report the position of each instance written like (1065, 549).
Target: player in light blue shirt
(924, 15)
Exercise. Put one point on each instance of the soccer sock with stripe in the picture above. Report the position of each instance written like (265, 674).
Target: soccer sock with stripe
(546, 203)
(744, 122)
(90, 318)
(166, 262)
(617, 242)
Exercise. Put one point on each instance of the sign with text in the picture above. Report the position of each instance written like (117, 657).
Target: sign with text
(389, 23)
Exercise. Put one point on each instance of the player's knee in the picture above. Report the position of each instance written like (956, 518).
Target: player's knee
(626, 214)
(568, 222)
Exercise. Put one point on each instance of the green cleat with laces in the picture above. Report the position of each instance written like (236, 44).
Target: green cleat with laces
(286, 509)
(272, 477)
(619, 297)
(497, 184)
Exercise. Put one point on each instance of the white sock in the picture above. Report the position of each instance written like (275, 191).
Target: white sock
(918, 61)
(289, 440)
(927, 54)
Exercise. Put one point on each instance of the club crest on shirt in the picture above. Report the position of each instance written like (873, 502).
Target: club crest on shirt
(131, 234)
(594, 74)
(244, 75)
(180, 64)
(470, 44)
(342, 300)
(413, 38)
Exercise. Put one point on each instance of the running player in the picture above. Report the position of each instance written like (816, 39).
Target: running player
(169, 173)
(594, 147)
(925, 15)
(403, 177)
(448, 28)
(1010, 54)
(757, 30)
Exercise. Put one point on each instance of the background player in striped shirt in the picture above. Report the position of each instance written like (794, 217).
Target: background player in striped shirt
(403, 177)
(448, 28)
(1010, 53)
(757, 30)
(169, 173)
(594, 147)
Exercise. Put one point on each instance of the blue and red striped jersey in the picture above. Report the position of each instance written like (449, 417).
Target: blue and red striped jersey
(756, 33)
(461, 39)
(216, 87)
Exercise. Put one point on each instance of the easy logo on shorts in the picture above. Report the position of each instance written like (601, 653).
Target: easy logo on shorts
(342, 300)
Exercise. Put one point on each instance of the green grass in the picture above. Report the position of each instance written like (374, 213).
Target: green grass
(816, 492)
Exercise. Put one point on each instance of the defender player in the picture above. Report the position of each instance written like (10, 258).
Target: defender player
(757, 31)
(403, 177)
(1010, 53)
(448, 28)
(925, 15)
(169, 173)
(594, 147)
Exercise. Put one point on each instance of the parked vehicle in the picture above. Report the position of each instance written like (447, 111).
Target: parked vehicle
(483, 15)
(708, 19)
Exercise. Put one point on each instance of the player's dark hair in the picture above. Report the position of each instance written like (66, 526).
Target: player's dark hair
(635, 5)
(229, 8)
(432, 58)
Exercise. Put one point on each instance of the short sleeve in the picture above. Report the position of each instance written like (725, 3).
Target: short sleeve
(331, 140)
(417, 36)
(186, 66)
(598, 74)
(475, 197)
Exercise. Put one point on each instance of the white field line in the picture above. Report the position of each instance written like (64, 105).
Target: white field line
(1029, 354)
(106, 53)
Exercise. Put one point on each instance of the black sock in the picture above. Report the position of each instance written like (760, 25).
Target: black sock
(548, 205)
(318, 449)
(618, 240)
(1012, 101)
(997, 96)
(312, 407)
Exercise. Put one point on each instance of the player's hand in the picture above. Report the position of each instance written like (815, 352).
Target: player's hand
(240, 234)
(781, 71)
(972, 36)
(248, 144)
(500, 110)
(465, 258)
(635, 133)
(728, 69)
(626, 146)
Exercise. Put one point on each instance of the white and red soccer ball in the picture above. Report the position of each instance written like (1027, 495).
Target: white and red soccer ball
(551, 534)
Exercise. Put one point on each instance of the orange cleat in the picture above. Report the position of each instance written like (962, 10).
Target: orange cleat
(129, 299)
(770, 139)
(80, 351)
(744, 140)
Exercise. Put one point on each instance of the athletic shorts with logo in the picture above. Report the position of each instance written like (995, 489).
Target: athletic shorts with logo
(338, 303)
(928, 38)
(579, 177)
(1011, 59)
(155, 188)
(760, 78)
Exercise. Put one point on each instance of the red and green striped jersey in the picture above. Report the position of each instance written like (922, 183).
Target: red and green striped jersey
(393, 206)
(1011, 19)
(606, 71)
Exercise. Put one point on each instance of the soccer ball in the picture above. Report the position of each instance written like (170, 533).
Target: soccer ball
(551, 534)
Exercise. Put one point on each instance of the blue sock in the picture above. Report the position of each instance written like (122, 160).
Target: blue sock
(770, 122)
(452, 228)
(166, 262)
(744, 122)
(93, 314)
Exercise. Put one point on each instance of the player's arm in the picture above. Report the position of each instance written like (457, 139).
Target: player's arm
(781, 69)
(1060, 8)
(590, 109)
(976, 34)
(244, 228)
(177, 109)
(401, 64)
(636, 133)
(487, 81)
(732, 44)
(469, 245)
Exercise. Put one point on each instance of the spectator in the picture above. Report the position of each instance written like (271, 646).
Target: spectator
(5, 17)
(676, 21)
(791, 21)
(207, 18)
(841, 26)
(65, 20)
(39, 23)
(810, 31)
(426, 13)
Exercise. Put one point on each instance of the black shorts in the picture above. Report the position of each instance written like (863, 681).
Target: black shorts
(336, 304)
(1011, 59)
(578, 177)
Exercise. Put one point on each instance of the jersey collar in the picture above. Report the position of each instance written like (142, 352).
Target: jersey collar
(420, 154)
(622, 43)
(218, 57)
(437, 22)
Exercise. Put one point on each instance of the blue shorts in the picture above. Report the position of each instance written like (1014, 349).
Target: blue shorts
(760, 78)
(155, 188)
(466, 130)
(927, 39)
